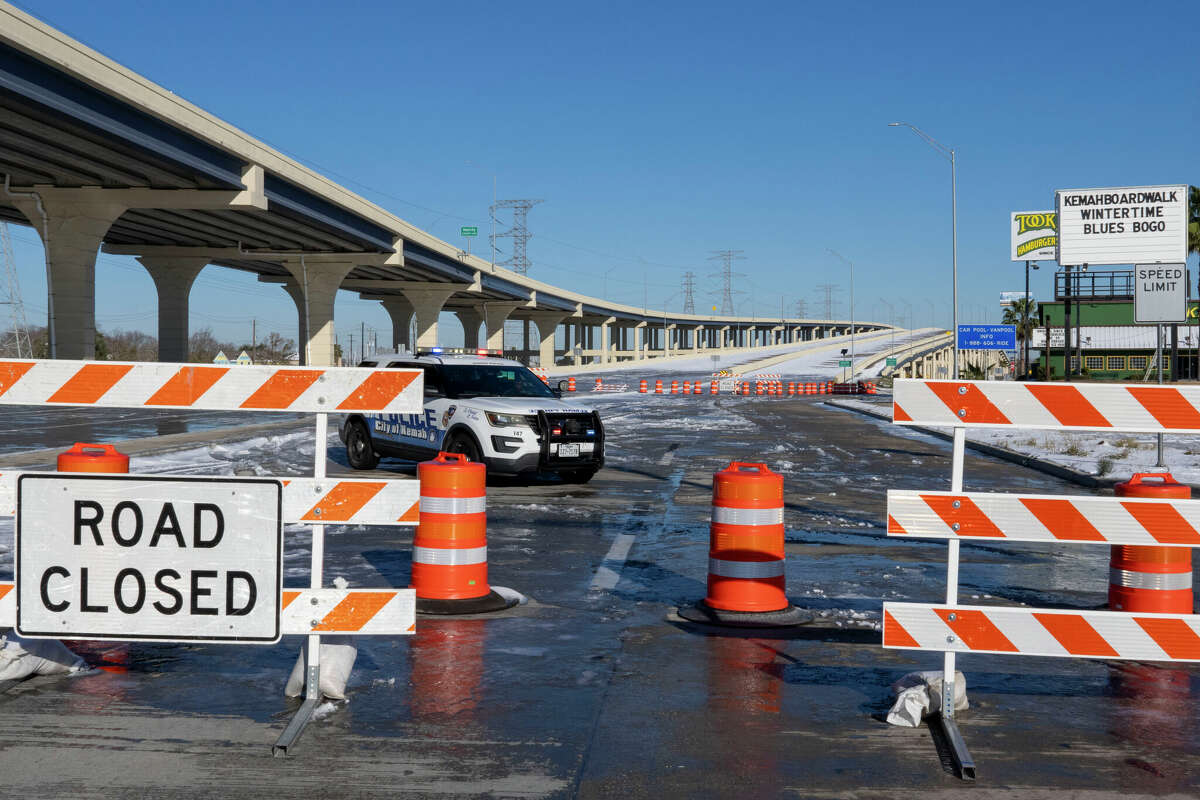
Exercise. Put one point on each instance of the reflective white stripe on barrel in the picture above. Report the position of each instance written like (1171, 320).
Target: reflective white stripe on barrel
(724, 515)
(449, 557)
(1150, 580)
(453, 505)
(745, 569)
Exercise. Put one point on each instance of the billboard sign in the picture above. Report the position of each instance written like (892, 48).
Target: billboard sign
(1123, 225)
(987, 337)
(1160, 293)
(1034, 235)
(159, 559)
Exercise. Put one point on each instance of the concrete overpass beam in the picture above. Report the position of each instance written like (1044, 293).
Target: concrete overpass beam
(173, 278)
(71, 231)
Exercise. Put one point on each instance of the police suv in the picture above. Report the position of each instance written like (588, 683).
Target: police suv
(493, 410)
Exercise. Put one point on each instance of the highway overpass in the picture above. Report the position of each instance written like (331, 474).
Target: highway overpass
(95, 156)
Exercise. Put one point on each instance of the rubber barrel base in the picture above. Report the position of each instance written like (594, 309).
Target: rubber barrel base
(471, 605)
(784, 617)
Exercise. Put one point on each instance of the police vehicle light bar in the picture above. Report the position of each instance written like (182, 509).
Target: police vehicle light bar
(460, 351)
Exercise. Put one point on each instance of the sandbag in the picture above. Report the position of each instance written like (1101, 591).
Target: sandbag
(22, 658)
(337, 660)
(919, 694)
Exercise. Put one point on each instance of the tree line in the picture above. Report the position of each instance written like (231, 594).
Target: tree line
(121, 345)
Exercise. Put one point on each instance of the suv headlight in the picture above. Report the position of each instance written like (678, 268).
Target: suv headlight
(498, 420)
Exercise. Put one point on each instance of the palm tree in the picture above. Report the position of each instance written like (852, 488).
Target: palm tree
(1021, 313)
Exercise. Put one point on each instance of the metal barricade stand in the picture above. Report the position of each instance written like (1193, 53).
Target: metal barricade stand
(316, 501)
(955, 515)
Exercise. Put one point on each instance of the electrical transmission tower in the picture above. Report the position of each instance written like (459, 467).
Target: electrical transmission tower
(518, 232)
(829, 289)
(801, 309)
(689, 293)
(14, 340)
(727, 257)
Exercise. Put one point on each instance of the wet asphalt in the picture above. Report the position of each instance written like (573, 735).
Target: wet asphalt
(594, 689)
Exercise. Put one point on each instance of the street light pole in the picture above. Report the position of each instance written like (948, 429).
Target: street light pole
(851, 265)
(948, 153)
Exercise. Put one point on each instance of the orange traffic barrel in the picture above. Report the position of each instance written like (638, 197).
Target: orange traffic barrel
(93, 458)
(643, 386)
(687, 387)
(758, 388)
(745, 555)
(674, 387)
(108, 656)
(570, 384)
(658, 387)
(1151, 579)
(599, 385)
(714, 387)
(745, 387)
(449, 562)
(697, 388)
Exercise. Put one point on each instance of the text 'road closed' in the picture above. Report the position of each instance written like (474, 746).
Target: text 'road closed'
(131, 557)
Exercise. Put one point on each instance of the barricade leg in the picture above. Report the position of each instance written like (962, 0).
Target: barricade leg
(746, 582)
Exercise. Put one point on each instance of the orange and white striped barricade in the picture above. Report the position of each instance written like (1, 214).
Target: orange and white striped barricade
(746, 580)
(643, 386)
(1116, 521)
(541, 373)
(316, 390)
(658, 386)
(449, 566)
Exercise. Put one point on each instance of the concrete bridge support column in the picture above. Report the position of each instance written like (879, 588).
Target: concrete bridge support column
(173, 278)
(494, 315)
(318, 279)
(401, 312)
(292, 287)
(697, 334)
(427, 301)
(471, 319)
(72, 232)
(547, 325)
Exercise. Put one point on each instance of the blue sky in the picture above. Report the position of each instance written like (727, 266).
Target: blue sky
(657, 133)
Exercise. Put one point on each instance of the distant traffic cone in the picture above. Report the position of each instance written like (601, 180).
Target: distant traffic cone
(658, 387)
(643, 386)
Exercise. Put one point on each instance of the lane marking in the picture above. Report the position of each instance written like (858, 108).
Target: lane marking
(609, 571)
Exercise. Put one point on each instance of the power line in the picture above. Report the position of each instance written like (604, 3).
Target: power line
(727, 257)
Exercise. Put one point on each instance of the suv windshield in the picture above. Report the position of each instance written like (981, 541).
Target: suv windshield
(492, 380)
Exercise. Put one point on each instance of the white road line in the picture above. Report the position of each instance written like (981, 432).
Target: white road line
(609, 571)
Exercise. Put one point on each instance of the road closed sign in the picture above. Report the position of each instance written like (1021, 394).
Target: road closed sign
(1123, 225)
(1160, 293)
(161, 559)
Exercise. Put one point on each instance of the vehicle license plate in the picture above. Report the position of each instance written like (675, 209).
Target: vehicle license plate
(568, 450)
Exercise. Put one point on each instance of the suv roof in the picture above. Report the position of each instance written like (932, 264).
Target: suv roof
(446, 357)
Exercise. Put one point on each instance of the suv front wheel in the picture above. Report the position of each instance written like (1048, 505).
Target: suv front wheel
(359, 450)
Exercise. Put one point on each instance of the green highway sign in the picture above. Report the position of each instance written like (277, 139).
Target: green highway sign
(891, 362)
(468, 230)
(843, 363)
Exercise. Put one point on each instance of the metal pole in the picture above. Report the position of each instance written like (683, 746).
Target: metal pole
(1158, 355)
(1066, 325)
(954, 235)
(1025, 327)
(962, 756)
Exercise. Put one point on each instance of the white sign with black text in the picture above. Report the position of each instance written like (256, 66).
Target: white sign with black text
(1123, 225)
(161, 559)
(1160, 293)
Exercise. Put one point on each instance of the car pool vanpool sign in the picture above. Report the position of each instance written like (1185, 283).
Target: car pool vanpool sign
(1123, 225)
(162, 559)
